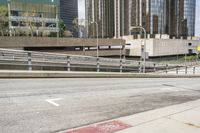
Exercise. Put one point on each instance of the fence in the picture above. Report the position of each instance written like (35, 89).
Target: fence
(19, 59)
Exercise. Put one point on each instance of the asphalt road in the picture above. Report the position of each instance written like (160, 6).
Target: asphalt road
(52, 105)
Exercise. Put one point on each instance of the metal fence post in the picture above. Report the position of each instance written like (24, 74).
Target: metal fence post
(186, 69)
(177, 69)
(98, 65)
(166, 68)
(29, 62)
(68, 63)
(56, 58)
(194, 70)
(154, 67)
(121, 66)
(140, 67)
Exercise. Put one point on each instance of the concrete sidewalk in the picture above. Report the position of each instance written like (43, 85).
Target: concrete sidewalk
(182, 118)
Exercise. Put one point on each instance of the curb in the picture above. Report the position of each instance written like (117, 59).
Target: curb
(63, 74)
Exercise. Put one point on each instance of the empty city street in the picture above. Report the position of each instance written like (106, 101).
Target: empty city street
(53, 105)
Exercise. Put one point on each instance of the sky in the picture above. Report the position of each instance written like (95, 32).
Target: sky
(81, 7)
(197, 30)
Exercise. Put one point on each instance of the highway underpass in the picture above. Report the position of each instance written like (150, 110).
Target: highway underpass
(53, 105)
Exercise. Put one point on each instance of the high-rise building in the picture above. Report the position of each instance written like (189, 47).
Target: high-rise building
(32, 16)
(101, 12)
(112, 17)
(68, 13)
(175, 18)
(189, 16)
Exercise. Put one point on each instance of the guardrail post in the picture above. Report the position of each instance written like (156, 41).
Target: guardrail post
(194, 70)
(43, 57)
(98, 65)
(177, 69)
(186, 69)
(29, 62)
(56, 58)
(68, 63)
(2, 55)
(154, 67)
(140, 67)
(121, 66)
(166, 68)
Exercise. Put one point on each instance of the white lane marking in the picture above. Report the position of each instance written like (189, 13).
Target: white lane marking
(51, 101)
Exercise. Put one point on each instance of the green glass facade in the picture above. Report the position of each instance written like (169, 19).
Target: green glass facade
(37, 15)
(50, 2)
(47, 8)
(34, 9)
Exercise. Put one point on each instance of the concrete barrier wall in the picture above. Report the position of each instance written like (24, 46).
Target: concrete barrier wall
(55, 74)
(20, 42)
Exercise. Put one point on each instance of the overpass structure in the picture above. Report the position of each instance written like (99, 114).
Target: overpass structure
(75, 46)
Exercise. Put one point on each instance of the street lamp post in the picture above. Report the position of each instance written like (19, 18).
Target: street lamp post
(145, 37)
(186, 53)
(9, 17)
(97, 31)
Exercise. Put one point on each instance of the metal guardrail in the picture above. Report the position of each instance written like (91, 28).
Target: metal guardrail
(192, 69)
(43, 60)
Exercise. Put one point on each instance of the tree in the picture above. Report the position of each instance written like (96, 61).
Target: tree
(75, 24)
(62, 28)
(3, 19)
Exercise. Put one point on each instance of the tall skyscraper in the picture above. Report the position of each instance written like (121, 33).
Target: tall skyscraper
(189, 16)
(173, 17)
(32, 16)
(68, 13)
(151, 14)
(102, 13)
(112, 17)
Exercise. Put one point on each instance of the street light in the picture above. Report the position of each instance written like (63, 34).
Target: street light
(97, 31)
(98, 66)
(9, 17)
(145, 37)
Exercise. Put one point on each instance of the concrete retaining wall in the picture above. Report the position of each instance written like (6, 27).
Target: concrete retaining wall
(55, 74)
(20, 42)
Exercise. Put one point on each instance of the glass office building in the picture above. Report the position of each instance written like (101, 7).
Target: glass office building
(35, 8)
(101, 12)
(189, 16)
(157, 14)
(68, 13)
(33, 15)
(151, 14)
(173, 17)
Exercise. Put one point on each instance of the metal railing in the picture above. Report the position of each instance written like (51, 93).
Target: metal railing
(191, 69)
(19, 59)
